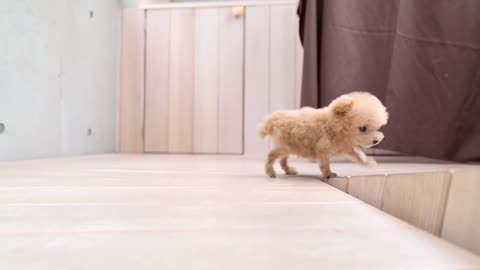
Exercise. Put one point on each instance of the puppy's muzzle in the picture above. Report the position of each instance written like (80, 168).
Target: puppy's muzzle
(378, 140)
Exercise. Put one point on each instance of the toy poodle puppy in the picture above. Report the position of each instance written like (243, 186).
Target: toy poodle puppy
(349, 121)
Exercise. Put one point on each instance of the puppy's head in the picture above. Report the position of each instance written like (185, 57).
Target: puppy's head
(363, 115)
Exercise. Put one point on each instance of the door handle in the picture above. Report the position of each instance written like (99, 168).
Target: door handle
(238, 11)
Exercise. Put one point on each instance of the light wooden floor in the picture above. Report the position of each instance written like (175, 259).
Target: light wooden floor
(201, 212)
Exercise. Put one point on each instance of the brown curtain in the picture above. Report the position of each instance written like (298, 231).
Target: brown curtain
(420, 57)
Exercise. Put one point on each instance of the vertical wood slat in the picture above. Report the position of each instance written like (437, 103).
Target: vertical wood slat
(368, 189)
(181, 81)
(131, 94)
(157, 81)
(282, 57)
(418, 198)
(118, 96)
(461, 224)
(257, 51)
(298, 66)
(230, 99)
(206, 81)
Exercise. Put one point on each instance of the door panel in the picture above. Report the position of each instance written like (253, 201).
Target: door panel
(157, 96)
(181, 81)
(230, 81)
(194, 84)
(206, 81)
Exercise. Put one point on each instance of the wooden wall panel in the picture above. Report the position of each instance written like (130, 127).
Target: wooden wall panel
(257, 62)
(340, 183)
(282, 57)
(418, 198)
(131, 94)
(298, 66)
(461, 225)
(206, 66)
(157, 81)
(272, 62)
(205, 120)
(181, 81)
(443, 203)
(230, 99)
(368, 189)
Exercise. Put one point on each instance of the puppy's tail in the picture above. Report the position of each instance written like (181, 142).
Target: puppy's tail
(265, 127)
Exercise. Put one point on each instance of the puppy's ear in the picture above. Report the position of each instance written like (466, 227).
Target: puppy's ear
(341, 105)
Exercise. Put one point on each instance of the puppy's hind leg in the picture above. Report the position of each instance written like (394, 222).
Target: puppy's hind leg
(288, 169)
(272, 156)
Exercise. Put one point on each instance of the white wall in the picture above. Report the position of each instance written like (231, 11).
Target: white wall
(58, 76)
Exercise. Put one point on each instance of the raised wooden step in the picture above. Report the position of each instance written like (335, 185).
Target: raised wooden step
(443, 201)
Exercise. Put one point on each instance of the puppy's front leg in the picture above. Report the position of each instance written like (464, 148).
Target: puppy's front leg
(325, 167)
(358, 156)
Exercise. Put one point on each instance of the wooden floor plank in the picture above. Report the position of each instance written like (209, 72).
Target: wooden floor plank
(154, 211)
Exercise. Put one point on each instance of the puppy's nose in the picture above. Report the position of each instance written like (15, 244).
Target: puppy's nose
(375, 141)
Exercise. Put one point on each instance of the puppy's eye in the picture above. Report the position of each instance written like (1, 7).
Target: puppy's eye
(363, 129)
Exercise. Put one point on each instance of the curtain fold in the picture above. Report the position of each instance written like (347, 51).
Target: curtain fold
(420, 57)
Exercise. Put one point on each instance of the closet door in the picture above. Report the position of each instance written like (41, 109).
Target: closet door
(273, 68)
(194, 81)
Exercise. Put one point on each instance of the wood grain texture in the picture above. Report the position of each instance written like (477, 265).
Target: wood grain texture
(230, 96)
(196, 86)
(298, 67)
(157, 81)
(340, 183)
(257, 62)
(418, 198)
(198, 212)
(118, 86)
(282, 57)
(131, 107)
(368, 189)
(217, 4)
(461, 224)
(181, 81)
(205, 120)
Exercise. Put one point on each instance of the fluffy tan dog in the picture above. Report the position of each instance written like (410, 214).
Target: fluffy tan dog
(350, 121)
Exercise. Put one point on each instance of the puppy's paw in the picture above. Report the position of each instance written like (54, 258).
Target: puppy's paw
(370, 162)
(330, 175)
(270, 172)
(291, 171)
